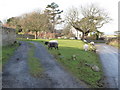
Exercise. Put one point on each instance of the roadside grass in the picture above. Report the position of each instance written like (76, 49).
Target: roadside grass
(68, 48)
(115, 43)
(7, 52)
(34, 63)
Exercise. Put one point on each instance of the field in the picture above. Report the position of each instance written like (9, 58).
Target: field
(70, 48)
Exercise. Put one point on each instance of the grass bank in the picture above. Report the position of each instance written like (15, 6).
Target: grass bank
(34, 63)
(7, 52)
(69, 48)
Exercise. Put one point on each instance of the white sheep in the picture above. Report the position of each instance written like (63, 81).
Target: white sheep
(86, 46)
(92, 43)
(55, 41)
(27, 38)
(85, 41)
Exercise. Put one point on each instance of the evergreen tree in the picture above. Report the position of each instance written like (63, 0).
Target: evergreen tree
(54, 15)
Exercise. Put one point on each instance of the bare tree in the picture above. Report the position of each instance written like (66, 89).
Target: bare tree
(67, 31)
(35, 21)
(92, 18)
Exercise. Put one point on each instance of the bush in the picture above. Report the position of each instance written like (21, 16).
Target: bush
(114, 42)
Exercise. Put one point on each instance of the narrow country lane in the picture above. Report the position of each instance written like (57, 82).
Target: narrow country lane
(109, 58)
(16, 71)
(59, 77)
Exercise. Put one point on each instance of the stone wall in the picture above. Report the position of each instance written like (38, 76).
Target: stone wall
(8, 36)
(0, 37)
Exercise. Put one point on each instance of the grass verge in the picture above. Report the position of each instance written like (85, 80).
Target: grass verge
(7, 52)
(34, 63)
(114, 43)
(68, 48)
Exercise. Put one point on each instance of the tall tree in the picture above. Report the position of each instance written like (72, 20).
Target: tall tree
(13, 22)
(54, 15)
(67, 31)
(97, 34)
(35, 22)
(92, 19)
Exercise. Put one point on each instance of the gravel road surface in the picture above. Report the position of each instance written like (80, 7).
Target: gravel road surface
(109, 58)
(16, 71)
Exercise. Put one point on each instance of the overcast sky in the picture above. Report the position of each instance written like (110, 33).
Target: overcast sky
(12, 8)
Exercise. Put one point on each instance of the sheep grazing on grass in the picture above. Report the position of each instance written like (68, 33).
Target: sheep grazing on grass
(92, 47)
(52, 44)
(92, 43)
(46, 43)
(86, 46)
(85, 41)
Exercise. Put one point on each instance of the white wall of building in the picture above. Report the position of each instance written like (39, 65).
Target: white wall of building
(78, 34)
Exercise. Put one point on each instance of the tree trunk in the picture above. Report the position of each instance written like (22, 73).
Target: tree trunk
(36, 32)
(97, 36)
(77, 34)
(83, 35)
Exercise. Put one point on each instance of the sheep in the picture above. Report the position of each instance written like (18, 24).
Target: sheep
(46, 43)
(92, 46)
(53, 43)
(86, 46)
(85, 41)
(92, 43)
